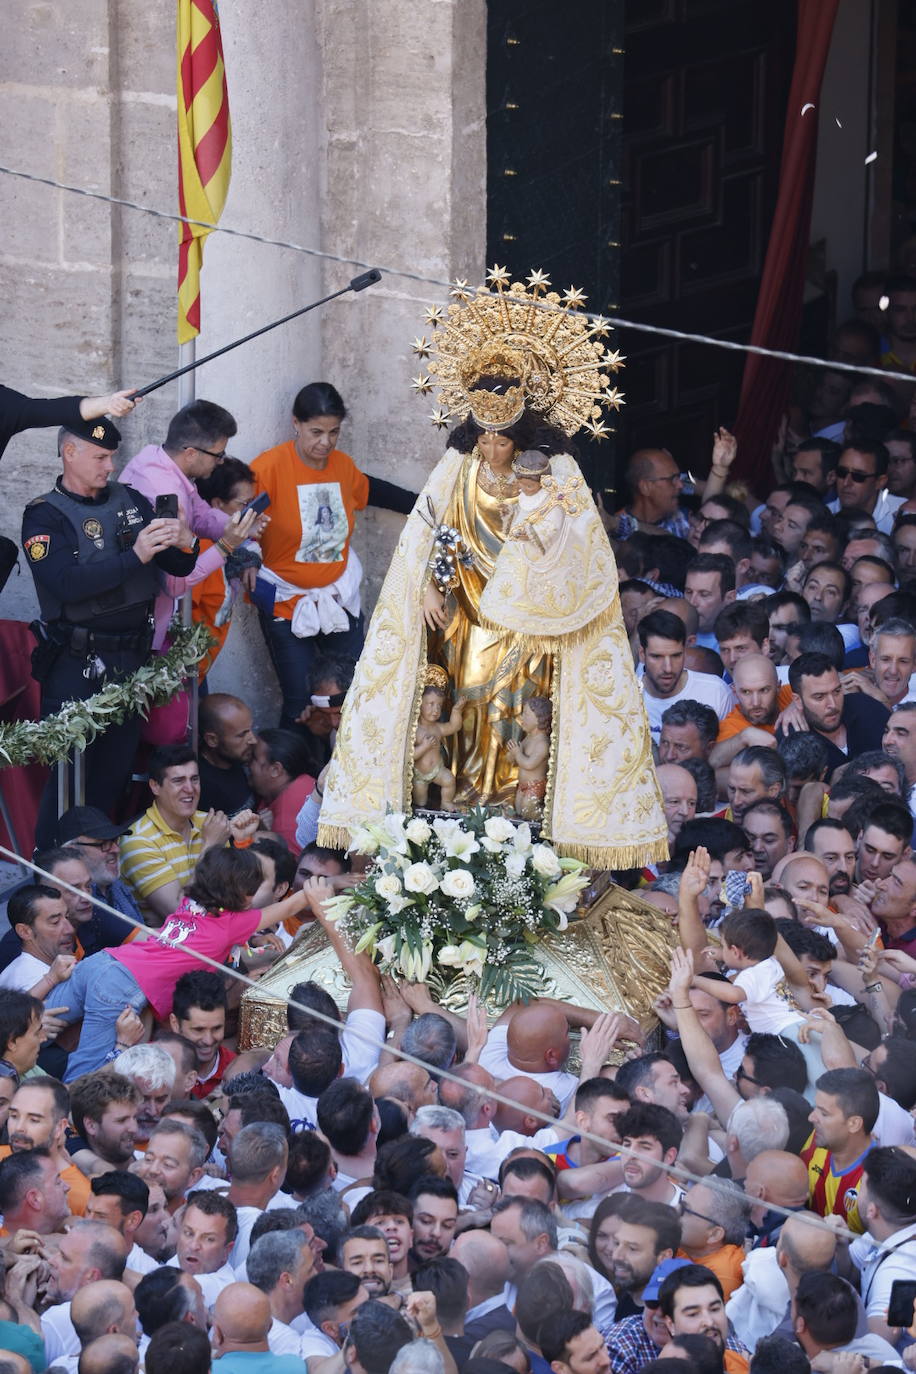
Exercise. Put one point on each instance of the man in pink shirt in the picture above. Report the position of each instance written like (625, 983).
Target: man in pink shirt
(195, 442)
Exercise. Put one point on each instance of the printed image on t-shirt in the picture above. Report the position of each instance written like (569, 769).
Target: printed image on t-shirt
(324, 523)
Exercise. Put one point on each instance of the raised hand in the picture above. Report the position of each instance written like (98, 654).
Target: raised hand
(696, 873)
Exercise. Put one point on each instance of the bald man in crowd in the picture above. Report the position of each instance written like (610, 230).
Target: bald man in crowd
(110, 1354)
(533, 1041)
(753, 720)
(778, 1179)
(241, 1321)
(486, 1260)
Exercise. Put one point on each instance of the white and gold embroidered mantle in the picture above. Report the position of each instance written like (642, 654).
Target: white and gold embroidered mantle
(603, 804)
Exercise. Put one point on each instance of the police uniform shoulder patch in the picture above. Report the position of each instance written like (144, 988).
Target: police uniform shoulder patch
(37, 547)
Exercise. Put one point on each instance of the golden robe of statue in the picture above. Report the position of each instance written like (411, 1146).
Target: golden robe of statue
(602, 803)
(494, 669)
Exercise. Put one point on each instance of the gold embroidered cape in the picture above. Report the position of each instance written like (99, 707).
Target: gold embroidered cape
(603, 804)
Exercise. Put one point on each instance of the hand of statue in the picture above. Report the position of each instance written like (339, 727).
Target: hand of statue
(696, 873)
(215, 829)
(460, 703)
(724, 448)
(244, 825)
(435, 612)
(512, 749)
(128, 1028)
(61, 968)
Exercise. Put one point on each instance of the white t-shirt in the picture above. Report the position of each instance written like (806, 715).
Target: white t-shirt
(488, 1147)
(702, 687)
(282, 1339)
(211, 1285)
(766, 1007)
(362, 1039)
(23, 973)
(894, 1126)
(495, 1059)
(879, 1274)
(140, 1261)
(313, 1342)
(886, 508)
(59, 1333)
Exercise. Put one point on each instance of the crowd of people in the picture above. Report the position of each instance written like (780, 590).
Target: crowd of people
(543, 1191)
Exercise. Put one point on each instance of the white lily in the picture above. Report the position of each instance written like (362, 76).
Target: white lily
(521, 840)
(367, 939)
(364, 841)
(562, 896)
(336, 907)
(469, 956)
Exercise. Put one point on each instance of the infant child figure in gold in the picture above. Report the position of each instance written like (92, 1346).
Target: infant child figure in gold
(530, 754)
(428, 761)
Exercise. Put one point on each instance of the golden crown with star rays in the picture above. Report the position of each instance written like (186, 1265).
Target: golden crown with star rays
(529, 347)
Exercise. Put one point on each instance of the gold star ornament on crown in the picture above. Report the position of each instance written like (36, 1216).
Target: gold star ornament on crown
(509, 345)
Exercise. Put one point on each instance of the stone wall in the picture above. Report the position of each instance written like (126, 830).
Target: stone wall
(358, 128)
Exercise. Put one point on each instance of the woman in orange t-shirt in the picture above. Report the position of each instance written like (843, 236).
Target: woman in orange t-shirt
(309, 568)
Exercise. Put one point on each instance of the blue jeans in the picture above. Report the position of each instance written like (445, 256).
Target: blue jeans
(293, 659)
(98, 990)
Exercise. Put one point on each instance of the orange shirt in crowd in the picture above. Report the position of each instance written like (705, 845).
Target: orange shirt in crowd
(311, 517)
(735, 722)
(207, 600)
(725, 1263)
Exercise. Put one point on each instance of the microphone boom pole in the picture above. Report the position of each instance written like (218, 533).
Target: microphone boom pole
(357, 284)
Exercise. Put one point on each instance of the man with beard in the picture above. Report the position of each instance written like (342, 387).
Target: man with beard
(768, 826)
(365, 1253)
(175, 1157)
(152, 1071)
(33, 1196)
(122, 1200)
(635, 1340)
(38, 1118)
(435, 1212)
(88, 1252)
(753, 720)
(689, 731)
(691, 1303)
(90, 834)
(832, 843)
(156, 1233)
(643, 1241)
(849, 725)
(104, 1111)
(666, 680)
(653, 1134)
(391, 1214)
(227, 745)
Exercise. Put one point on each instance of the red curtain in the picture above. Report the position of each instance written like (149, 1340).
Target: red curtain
(777, 319)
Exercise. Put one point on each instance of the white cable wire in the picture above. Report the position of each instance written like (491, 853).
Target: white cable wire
(611, 1147)
(615, 321)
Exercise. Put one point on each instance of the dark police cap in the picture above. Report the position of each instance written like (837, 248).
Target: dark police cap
(101, 432)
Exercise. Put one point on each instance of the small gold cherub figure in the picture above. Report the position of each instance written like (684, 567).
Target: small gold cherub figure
(428, 760)
(530, 754)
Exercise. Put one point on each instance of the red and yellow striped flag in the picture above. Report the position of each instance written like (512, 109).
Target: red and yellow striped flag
(204, 147)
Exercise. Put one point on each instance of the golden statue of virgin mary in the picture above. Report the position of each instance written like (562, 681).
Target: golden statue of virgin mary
(520, 370)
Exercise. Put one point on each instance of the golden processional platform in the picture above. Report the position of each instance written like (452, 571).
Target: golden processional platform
(615, 956)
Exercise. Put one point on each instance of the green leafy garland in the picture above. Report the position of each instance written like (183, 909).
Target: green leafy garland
(49, 741)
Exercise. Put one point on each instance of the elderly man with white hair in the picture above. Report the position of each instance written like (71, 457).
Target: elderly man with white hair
(151, 1069)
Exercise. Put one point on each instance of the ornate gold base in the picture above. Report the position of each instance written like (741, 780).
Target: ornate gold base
(616, 957)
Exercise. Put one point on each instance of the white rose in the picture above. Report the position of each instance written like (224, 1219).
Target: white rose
(499, 829)
(473, 912)
(417, 831)
(545, 861)
(420, 878)
(388, 886)
(458, 883)
(515, 865)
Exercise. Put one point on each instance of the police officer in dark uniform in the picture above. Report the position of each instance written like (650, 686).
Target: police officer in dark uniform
(96, 553)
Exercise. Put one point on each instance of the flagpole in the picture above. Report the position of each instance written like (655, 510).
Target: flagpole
(187, 392)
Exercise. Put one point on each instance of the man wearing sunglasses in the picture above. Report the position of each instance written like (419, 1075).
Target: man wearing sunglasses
(861, 483)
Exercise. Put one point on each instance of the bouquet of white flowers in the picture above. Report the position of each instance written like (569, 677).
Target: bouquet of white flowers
(466, 895)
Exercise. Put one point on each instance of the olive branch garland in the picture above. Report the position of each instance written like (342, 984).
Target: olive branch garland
(77, 724)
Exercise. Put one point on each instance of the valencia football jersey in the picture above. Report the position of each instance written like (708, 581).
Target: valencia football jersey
(833, 1193)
